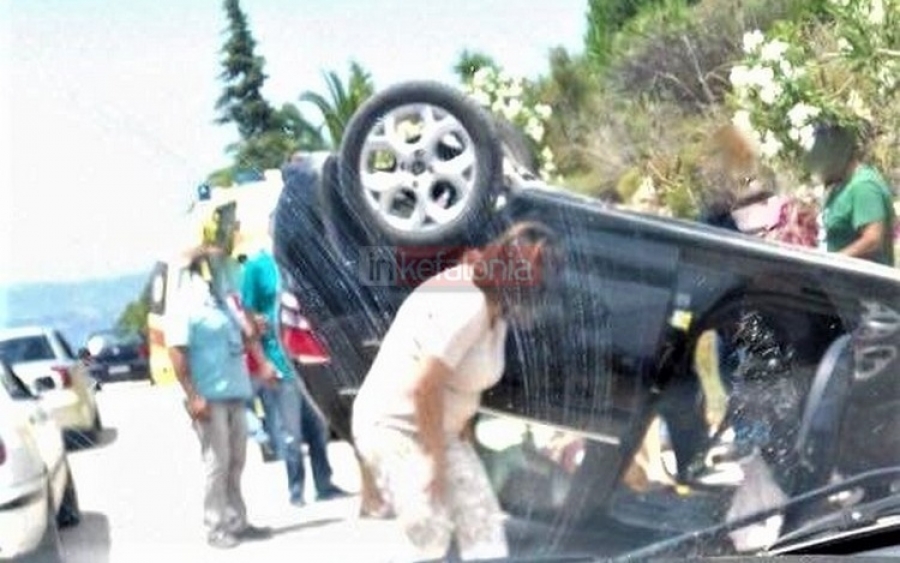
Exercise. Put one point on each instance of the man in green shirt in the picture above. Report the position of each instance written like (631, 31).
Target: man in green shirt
(859, 213)
(296, 419)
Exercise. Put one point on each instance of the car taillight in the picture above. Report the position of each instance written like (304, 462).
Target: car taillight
(65, 376)
(297, 334)
(144, 351)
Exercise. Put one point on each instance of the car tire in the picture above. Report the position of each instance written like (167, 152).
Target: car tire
(344, 233)
(69, 510)
(476, 128)
(97, 424)
(516, 146)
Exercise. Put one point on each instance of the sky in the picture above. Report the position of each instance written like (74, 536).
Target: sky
(107, 106)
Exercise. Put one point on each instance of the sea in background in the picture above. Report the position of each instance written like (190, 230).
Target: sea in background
(76, 309)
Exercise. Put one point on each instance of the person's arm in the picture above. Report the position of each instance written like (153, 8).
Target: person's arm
(867, 243)
(868, 216)
(252, 330)
(177, 335)
(429, 405)
(196, 405)
(454, 325)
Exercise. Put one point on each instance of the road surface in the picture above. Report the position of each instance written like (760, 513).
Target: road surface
(141, 486)
(140, 490)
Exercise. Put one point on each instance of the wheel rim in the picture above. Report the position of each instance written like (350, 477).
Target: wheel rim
(418, 168)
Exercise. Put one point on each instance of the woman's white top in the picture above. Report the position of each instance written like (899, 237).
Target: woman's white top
(447, 318)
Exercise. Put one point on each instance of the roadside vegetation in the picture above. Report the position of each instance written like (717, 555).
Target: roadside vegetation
(638, 109)
(641, 108)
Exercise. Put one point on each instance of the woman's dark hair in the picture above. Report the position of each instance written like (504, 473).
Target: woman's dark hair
(500, 270)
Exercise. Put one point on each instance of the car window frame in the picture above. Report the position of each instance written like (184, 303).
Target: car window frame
(13, 385)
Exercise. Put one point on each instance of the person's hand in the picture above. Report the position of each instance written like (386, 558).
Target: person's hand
(261, 324)
(198, 408)
(269, 375)
(437, 482)
(203, 251)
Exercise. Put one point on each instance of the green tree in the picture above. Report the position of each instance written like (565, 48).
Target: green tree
(134, 316)
(342, 100)
(470, 62)
(242, 102)
(606, 18)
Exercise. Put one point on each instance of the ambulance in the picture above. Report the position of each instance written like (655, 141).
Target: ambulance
(237, 216)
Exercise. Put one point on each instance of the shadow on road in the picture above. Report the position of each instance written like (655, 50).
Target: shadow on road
(89, 541)
(320, 523)
(77, 441)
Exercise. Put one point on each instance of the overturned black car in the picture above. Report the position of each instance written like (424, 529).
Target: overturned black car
(684, 391)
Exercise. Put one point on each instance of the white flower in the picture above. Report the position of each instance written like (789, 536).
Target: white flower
(844, 46)
(535, 129)
(753, 40)
(801, 114)
(741, 121)
(770, 146)
(876, 12)
(761, 76)
(504, 77)
(482, 76)
(769, 93)
(774, 50)
(740, 77)
(786, 68)
(807, 137)
(498, 106)
(744, 125)
(547, 154)
(512, 109)
(515, 89)
(481, 98)
(544, 111)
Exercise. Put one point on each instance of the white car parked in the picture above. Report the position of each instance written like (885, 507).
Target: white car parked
(37, 492)
(43, 359)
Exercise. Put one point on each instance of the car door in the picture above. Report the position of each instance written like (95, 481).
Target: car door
(36, 424)
(555, 426)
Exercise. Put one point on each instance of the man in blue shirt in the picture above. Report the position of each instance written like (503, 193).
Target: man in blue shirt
(297, 419)
(207, 346)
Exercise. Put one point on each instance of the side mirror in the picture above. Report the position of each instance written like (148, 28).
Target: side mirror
(84, 355)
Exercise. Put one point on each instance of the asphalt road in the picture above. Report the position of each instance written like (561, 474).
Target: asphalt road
(140, 490)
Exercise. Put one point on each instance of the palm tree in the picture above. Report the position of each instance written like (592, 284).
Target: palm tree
(342, 100)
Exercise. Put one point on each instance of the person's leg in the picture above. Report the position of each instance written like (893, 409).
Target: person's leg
(315, 434)
(215, 448)
(237, 443)
(237, 509)
(473, 507)
(401, 474)
(682, 408)
(371, 505)
(290, 413)
(271, 423)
